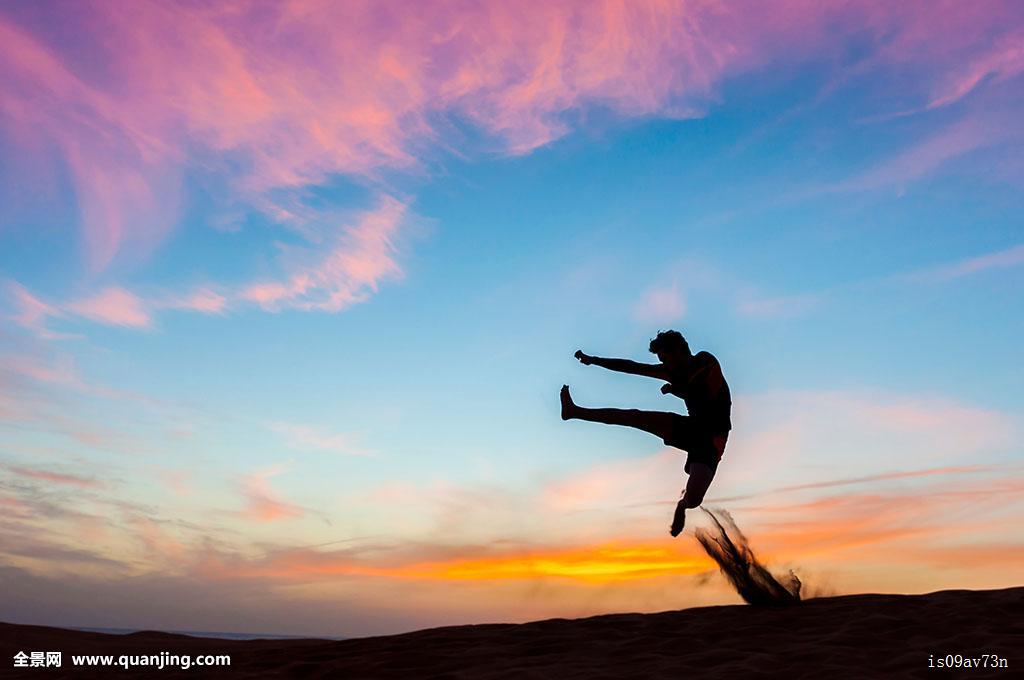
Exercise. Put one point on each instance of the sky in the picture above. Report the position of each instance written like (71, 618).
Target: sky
(288, 290)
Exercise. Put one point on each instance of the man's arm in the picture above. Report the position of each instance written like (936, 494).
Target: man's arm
(625, 366)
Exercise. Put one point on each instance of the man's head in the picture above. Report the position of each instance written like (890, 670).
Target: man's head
(671, 348)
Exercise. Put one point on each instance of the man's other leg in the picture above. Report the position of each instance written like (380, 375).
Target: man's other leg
(696, 486)
(698, 483)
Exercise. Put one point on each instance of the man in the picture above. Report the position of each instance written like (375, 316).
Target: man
(698, 381)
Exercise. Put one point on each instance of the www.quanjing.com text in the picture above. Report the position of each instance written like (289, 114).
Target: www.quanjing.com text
(155, 661)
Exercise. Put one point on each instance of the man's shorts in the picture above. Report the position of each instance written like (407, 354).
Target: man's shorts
(700, 444)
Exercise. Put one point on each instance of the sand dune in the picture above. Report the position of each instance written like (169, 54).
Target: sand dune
(860, 636)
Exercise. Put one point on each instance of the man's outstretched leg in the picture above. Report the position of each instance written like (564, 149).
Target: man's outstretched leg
(696, 486)
(656, 422)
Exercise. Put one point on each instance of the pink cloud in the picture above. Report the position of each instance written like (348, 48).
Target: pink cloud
(178, 481)
(340, 273)
(31, 310)
(61, 372)
(114, 306)
(661, 304)
(954, 46)
(32, 313)
(610, 484)
(263, 504)
(855, 430)
(1003, 61)
(278, 97)
(54, 477)
(15, 508)
(157, 541)
(820, 530)
(925, 156)
(346, 267)
(124, 176)
(1001, 259)
(925, 414)
(950, 508)
(309, 437)
(881, 477)
(203, 300)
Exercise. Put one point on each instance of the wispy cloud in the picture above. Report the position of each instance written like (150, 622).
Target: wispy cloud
(54, 477)
(311, 438)
(830, 527)
(43, 390)
(752, 304)
(204, 300)
(614, 483)
(376, 88)
(345, 268)
(1003, 61)
(848, 527)
(1001, 259)
(262, 502)
(113, 306)
(178, 481)
(341, 273)
(31, 312)
(60, 371)
(124, 175)
(866, 479)
(857, 435)
(925, 156)
(824, 529)
(192, 86)
(661, 304)
(157, 541)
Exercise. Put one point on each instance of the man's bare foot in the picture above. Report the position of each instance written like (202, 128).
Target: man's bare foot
(679, 520)
(568, 407)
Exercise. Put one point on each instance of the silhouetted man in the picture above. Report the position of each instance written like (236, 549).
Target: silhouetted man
(698, 381)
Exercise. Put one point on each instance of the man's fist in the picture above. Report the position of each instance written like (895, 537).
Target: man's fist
(666, 388)
(585, 359)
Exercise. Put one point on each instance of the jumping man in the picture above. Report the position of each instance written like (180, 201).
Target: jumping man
(698, 381)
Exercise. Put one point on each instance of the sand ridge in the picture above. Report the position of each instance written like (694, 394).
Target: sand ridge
(875, 636)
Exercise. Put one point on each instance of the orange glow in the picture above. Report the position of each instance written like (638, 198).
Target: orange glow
(832, 528)
(590, 564)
